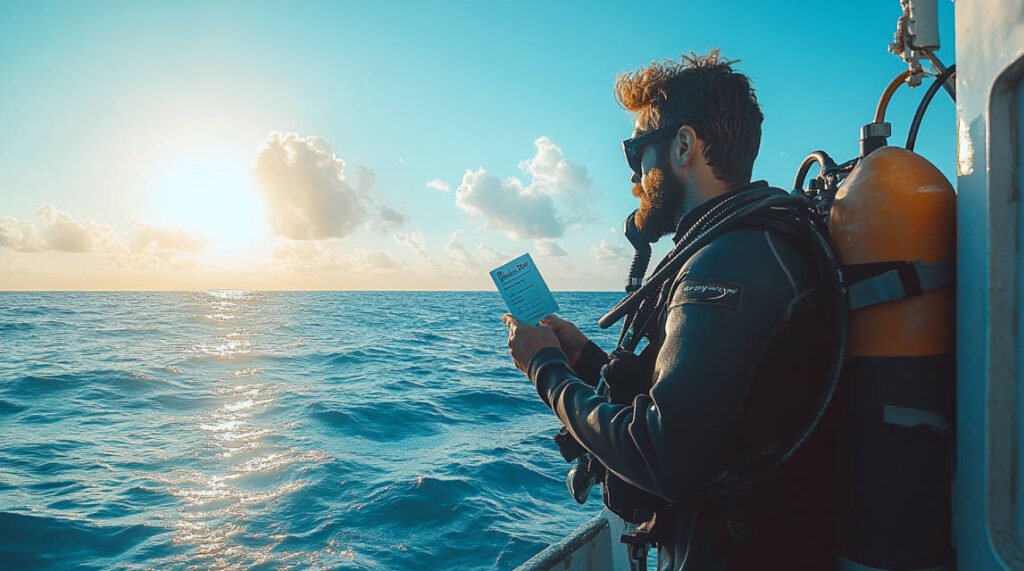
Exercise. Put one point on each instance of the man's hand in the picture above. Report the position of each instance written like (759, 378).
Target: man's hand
(524, 341)
(569, 337)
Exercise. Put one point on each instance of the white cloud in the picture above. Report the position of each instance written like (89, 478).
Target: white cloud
(551, 172)
(390, 217)
(457, 251)
(20, 235)
(490, 256)
(413, 240)
(63, 233)
(521, 213)
(439, 184)
(59, 231)
(307, 194)
(549, 248)
(151, 247)
(607, 252)
(304, 184)
(528, 211)
(365, 180)
(160, 247)
(378, 260)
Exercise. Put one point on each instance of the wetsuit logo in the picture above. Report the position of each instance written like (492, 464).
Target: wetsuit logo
(701, 292)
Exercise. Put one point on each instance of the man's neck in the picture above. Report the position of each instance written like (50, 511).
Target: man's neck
(701, 192)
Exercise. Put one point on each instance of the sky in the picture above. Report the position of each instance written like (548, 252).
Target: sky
(386, 146)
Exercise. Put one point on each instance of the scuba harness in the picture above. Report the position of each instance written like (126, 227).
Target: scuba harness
(628, 374)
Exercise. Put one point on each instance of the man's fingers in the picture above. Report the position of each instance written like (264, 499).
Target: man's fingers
(511, 322)
(553, 321)
(556, 323)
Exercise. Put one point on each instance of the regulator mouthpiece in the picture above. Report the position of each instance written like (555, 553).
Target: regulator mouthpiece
(641, 242)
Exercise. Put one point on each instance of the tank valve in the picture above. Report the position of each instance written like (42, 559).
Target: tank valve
(874, 136)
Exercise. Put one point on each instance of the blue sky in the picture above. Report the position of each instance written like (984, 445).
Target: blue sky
(140, 124)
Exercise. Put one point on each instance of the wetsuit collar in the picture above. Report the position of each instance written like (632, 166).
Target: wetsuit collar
(691, 217)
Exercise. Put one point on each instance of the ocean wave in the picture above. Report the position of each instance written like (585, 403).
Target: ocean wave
(381, 421)
(66, 540)
(33, 384)
(10, 407)
(16, 326)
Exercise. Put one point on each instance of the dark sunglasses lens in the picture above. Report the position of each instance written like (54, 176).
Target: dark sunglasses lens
(632, 156)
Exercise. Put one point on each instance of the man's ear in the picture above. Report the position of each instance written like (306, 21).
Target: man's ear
(685, 147)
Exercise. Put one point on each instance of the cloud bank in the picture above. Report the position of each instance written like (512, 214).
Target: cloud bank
(307, 194)
(312, 256)
(59, 232)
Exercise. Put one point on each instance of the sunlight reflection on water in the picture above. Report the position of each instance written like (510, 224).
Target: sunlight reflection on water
(216, 506)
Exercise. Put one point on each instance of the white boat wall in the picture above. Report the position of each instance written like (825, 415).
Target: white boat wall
(988, 498)
(595, 546)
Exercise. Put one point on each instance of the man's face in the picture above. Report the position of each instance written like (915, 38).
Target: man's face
(660, 191)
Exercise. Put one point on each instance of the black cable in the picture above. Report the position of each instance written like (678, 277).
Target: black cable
(824, 161)
(915, 125)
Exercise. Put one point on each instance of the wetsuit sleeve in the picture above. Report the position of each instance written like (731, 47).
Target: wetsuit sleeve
(724, 308)
(588, 365)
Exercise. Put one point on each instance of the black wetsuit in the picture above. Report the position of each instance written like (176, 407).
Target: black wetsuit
(741, 359)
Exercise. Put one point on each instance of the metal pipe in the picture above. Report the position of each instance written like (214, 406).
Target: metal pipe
(950, 84)
(883, 103)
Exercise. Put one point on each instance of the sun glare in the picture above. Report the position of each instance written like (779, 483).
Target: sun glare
(212, 195)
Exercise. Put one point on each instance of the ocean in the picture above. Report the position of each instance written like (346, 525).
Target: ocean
(275, 430)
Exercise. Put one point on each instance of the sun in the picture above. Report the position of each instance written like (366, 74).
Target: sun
(211, 194)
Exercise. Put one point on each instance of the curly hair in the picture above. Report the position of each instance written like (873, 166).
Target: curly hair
(704, 92)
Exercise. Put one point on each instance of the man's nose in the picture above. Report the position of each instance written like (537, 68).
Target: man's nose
(635, 179)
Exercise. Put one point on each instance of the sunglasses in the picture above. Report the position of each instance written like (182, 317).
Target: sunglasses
(634, 148)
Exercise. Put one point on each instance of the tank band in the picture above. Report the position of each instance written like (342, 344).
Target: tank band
(909, 279)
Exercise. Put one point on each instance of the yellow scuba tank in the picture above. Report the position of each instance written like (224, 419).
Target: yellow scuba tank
(892, 224)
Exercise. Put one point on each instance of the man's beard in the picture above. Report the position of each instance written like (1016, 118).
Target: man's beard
(661, 200)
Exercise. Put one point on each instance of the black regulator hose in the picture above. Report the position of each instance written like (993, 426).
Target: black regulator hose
(824, 162)
(669, 269)
(641, 243)
(915, 125)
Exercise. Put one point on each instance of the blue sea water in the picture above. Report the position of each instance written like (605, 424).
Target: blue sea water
(268, 430)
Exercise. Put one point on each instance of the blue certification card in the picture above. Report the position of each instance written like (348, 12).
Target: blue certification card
(526, 295)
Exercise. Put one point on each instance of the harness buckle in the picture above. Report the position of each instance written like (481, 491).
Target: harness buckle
(637, 542)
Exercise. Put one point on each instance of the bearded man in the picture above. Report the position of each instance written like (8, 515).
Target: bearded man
(735, 359)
